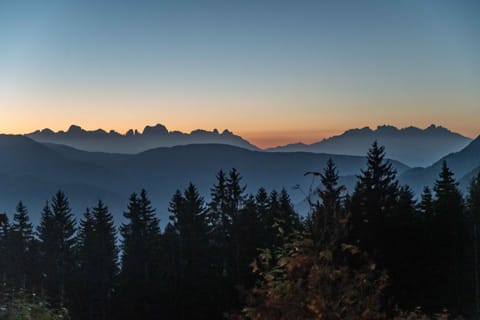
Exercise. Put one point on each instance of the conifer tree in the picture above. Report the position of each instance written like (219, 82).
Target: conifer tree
(188, 218)
(473, 200)
(140, 260)
(448, 199)
(331, 193)
(406, 207)
(426, 203)
(97, 259)
(288, 218)
(374, 198)
(4, 247)
(21, 245)
(57, 240)
(325, 223)
(218, 205)
(235, 192)
(273, 205)
(46, 235)
(261, 201)
(449, 235)
(270, 221)
(401, 257)
(473, 206)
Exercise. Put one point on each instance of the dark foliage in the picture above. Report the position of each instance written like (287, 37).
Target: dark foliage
(200, 266)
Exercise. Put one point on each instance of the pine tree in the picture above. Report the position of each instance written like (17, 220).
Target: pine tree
(473, 199)
(288, 218)
(97, 259)
(473, 205)
(57, 236)
(448, 202)
(426, 203)
(188, 218)
(404, 237)
(406, 206)
(217, 219)
(140, 260)
(218, 205)
(21, 247)
(449, 234)
(270, 221)
(261, 202)
(46, 236)
(327, 223)
(331, 193)
(374, 198)
(249, 231)
(235, 192)
(171, 274)
(4, 247)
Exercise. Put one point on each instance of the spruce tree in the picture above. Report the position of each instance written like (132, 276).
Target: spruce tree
(449, 235)
(331, 192)
(272, 234)
(46, 235)
(4, 247)
(261, 202)
(97, 259)
(473, 199)
(402, 258)
(288, 218)
(218, 204)
(21, 247)
(188, 218)
(235, 192)
(426, 203)
(325, 223)
(57, 232)
(140, 260)
(374, 198)
(406, 207)
(248, 229)
(473, 205)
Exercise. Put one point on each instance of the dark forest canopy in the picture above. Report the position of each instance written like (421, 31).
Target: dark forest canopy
(364, 254)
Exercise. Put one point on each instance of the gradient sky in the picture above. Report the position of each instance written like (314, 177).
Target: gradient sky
(271, 71)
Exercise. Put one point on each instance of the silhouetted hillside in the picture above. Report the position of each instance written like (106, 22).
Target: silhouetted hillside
(134, 141)
(412, 146)
(464, 164)
(32, 172)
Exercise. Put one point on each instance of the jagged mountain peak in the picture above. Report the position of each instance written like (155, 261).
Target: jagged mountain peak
(411, 145)
(133, 141)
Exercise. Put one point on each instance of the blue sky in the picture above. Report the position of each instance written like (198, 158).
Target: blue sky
(273, 71)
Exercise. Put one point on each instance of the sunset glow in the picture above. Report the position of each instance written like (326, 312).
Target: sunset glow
(272, 72)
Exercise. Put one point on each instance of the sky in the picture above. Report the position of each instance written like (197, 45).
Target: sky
(274, 72)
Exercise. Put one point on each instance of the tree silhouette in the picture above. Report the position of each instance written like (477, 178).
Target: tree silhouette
(21, 246)
(97, 262)
(140, 260)
(57, 242)
(374, 198)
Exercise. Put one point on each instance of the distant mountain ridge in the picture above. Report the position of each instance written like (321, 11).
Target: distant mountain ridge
(465, 164)
(134, 141)
(32, 172)
(411, 145)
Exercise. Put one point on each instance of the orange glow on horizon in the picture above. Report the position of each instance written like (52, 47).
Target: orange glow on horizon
(266, 138)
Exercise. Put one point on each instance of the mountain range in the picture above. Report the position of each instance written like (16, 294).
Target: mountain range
(134, 141)
(465, 164)
(33, 171)
(413, 146)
